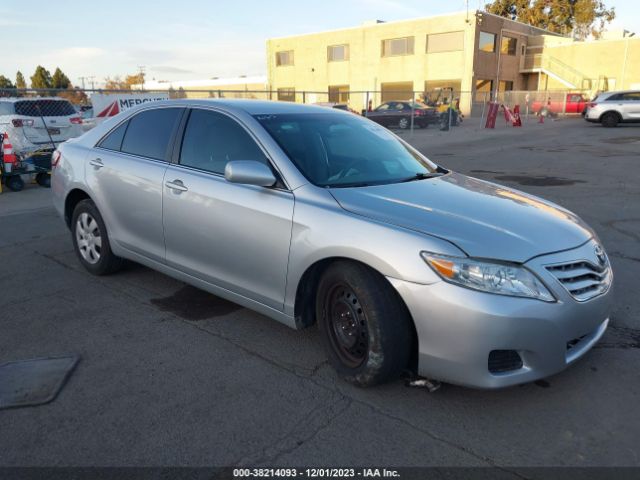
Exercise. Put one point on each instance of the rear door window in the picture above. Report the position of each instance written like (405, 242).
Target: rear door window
(212, 139)
(44, 108)
(113, 141)
(150, 132)
(632, 97)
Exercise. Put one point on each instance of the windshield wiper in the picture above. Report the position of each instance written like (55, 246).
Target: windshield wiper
(421, 176)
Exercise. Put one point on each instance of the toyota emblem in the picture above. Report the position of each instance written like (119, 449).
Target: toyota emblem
(600, 255)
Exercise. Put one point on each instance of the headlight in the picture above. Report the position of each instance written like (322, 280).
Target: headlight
(499, 278)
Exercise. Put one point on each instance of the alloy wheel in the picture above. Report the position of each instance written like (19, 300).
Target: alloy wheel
(88, 238)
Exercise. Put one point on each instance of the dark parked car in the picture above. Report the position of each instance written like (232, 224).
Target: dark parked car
(398, 114)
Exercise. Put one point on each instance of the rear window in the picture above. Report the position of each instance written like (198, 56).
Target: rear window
(44, 108)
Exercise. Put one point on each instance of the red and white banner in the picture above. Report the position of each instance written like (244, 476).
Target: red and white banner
(109, 105)
(492, 114)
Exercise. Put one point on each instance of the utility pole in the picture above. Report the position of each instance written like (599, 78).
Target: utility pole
(82, 79)
(91, 79)
(141, 72)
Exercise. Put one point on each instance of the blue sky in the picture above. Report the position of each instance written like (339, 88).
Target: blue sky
(190, 39)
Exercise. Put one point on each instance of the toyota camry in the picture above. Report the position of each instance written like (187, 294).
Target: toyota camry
(313, 216)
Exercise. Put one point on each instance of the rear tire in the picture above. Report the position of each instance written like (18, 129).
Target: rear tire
(404, 124)
(365, 327)
(14, 183)
(91, 241)
(44, 180)
(610, 120)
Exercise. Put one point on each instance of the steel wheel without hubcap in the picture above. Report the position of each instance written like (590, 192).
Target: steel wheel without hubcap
(348, 326)
(88, 238)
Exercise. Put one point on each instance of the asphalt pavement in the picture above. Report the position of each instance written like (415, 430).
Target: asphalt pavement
(171, 376)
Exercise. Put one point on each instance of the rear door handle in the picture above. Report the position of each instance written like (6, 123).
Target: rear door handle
(97, 163)
(176, 186)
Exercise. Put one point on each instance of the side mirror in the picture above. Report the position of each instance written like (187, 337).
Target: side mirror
(249, 172)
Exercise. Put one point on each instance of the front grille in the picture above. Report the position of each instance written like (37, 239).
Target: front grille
(501, 361)
(583, 280)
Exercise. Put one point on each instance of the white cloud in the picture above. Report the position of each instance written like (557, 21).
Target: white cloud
(77, 53)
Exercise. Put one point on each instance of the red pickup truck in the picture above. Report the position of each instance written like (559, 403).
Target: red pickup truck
(576, 103)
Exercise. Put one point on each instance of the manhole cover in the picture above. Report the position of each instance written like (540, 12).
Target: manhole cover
(34, 382)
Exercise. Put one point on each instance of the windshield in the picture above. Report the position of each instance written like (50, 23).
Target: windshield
(45, 108)
(338, 150)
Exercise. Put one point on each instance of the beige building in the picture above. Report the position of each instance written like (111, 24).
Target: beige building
(612, 63)
(476, 54)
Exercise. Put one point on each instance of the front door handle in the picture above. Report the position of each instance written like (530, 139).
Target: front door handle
(176, 186)
(97, 163)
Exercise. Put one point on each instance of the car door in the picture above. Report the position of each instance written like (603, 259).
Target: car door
(382, 114)
(125, 173)
(402, 110)
(231, 235)
(631, 106)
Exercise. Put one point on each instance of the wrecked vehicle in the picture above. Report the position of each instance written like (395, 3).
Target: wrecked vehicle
(310, 215)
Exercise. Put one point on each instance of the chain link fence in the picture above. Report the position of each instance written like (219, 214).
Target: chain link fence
(397, 108)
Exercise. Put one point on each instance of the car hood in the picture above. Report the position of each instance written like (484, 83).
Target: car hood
(483, 219)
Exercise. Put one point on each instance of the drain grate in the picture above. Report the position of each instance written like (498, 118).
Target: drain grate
(34, 382)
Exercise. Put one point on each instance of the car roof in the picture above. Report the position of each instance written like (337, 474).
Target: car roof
(252, 107)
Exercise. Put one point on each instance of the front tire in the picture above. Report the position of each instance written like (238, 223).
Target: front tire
(365, 327)
(610, 120)
(404, 123)
(91, 241)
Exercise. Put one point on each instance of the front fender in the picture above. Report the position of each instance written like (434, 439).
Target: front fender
(323, 230)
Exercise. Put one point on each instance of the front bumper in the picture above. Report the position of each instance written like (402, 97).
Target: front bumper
(458, 328)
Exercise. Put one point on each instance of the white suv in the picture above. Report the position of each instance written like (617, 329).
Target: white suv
(611, 108)
(35, 123)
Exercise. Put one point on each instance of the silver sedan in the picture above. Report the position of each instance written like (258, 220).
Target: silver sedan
(316, 216)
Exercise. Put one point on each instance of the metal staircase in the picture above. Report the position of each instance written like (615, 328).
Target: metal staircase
(556, 69)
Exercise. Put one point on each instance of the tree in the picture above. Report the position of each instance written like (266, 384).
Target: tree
(137, 79)
(41, 78)
(580, 17)
(20, 83)
(5, 82)
(60, 80)
(74, 95)
(116, 83)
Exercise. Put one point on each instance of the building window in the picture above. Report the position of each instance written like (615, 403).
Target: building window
(505, 86)
(508, 45)
(284, 58)
(487, 42)
(338, 53)
(445, 42)
(287, 94)
(339, 94)
(483, 90)
(398, 46)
